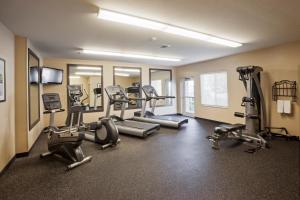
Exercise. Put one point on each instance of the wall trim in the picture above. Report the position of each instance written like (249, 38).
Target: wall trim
(7, 165)
(210, 120)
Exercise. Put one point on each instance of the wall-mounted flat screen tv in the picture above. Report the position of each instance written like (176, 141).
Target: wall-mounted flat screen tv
(51, 76)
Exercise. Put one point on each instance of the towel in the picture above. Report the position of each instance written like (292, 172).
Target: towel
(287, 108)
(280, 106)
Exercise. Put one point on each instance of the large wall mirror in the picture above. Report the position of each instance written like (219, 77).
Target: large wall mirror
(85, 87)
(161, 80)
(130, 79)
(33, 89)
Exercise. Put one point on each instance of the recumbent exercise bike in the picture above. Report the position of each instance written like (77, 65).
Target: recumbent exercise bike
(63, 141)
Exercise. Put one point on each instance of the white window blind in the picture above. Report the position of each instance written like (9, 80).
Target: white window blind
(214, 90)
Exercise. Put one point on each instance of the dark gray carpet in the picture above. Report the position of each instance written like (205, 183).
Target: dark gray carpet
(169, 165)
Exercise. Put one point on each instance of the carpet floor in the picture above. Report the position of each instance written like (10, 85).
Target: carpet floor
(171, 164)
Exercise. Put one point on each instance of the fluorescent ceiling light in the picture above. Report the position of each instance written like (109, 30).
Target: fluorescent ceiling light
(126, 70)
(145, 23)
(89, 68)
(74, 77)
(122, 74)
(127, 55)
(88, 73)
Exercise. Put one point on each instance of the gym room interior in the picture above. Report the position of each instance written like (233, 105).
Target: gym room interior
(148, 100)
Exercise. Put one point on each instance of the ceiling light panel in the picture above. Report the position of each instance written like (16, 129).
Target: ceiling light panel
(89, 68)
(127, 70)
(88, 73)
(128, 55)
(145, 23)
(122, 74)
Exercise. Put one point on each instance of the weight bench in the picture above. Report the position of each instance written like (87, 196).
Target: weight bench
(225, 131)
(235, 131)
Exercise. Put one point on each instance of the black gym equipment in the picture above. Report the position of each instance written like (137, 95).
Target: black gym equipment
(65, 141)
(171, 121)
(255, 114)
(117, 94)
(94, 132)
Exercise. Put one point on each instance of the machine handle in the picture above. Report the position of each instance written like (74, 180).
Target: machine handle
(238, 114)
(54, 111)
(142, 99)
(121, 100)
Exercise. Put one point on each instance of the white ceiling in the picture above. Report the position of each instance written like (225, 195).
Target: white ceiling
(60, 28)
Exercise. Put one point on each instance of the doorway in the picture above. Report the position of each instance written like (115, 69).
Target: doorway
(188, 97)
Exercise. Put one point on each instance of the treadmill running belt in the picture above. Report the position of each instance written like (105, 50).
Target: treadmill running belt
(137, 125)
(169, 118)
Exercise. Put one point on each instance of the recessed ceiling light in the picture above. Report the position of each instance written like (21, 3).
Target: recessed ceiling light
(164, 46)
(74, 77)
(127, 55)
(145, 23)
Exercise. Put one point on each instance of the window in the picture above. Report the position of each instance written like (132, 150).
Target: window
(214, 89)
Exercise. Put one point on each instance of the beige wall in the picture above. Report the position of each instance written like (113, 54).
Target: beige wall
(125, 81)
(24, 138)
(107, 80)
(280, 62)
(7, 108)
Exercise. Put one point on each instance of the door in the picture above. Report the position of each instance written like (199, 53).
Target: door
(188, 97)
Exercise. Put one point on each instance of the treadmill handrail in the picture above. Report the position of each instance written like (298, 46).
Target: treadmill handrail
(121, 100)
(136, 98)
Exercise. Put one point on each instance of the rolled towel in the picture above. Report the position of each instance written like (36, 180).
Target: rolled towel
(287, 108)
(280, 106)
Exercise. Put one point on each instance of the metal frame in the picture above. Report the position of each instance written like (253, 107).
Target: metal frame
(31, 53)
(101, 108)
(171, 79)
(284, 88)
(4, 80)
(114, 83)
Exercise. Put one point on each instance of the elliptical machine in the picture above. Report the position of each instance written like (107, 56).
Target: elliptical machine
(64, 141)
(93, 132)
(255, 114)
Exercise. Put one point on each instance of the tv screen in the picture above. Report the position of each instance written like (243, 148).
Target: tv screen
(52, 75)
(34, 75)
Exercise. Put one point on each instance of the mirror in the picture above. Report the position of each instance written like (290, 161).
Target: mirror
(85, 87)
(161, 80)
(129, 78)
(33, 89)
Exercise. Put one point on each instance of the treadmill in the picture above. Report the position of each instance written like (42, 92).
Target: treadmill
(116, 94)
(171, 121)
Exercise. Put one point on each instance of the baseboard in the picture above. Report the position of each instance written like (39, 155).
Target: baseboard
(7, 166)
(210, 120)
(25, 154)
